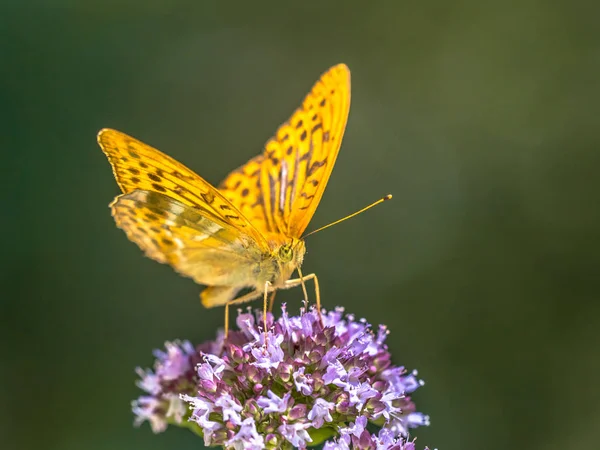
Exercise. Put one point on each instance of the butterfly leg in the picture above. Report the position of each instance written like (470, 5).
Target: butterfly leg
(303, 287)
(300, 281)
(265, 303)
(272, 301)
(243, 299)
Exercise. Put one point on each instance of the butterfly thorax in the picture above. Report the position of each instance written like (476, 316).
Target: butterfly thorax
(285, 257)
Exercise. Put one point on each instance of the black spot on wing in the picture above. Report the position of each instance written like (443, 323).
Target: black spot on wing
(208, 197)
(314, 166)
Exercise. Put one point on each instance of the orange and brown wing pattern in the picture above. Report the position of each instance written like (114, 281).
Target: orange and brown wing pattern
(282, 188)
(243, 189)
(137, 166)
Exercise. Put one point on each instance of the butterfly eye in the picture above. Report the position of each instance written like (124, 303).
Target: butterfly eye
(286, 253)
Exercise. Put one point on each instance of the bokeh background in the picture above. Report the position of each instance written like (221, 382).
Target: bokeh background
(480, 117)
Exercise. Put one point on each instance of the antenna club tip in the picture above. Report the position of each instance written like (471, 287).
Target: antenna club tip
(387, 197)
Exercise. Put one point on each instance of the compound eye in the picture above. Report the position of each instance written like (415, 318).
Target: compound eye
(285, 253)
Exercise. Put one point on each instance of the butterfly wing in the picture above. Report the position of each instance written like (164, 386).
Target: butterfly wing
(139, 166)
(280, 190)
(169, 231)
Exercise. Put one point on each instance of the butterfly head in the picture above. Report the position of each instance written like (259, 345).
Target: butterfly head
(292, 252)
(290, 256)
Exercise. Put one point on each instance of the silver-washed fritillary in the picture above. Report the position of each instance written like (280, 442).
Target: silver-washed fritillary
(247, 233)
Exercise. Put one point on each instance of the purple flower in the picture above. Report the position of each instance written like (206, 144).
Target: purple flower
(146, 408)
(296, 433)
(272, 403)
(302, 382)
(321, 411)
(175, 362)
(148, 381)
(230, 407)
(267, 356)
(247, 437)
(174, 374)
(291, 387)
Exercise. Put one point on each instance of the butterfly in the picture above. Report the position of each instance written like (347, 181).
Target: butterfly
(247, 233)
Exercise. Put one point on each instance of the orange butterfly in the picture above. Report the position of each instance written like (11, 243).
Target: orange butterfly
(247, 233)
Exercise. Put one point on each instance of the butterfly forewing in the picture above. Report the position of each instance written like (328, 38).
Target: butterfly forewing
(281, 189)
(139, 166)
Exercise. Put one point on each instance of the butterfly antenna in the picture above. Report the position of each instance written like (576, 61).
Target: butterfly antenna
(381, 200)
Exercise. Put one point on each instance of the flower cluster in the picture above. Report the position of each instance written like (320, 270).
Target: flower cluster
(309, 378)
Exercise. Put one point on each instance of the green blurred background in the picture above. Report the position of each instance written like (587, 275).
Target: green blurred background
(481, 118)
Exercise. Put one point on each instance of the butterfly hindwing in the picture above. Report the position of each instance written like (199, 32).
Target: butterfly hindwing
(172, 232)
(218, 295)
